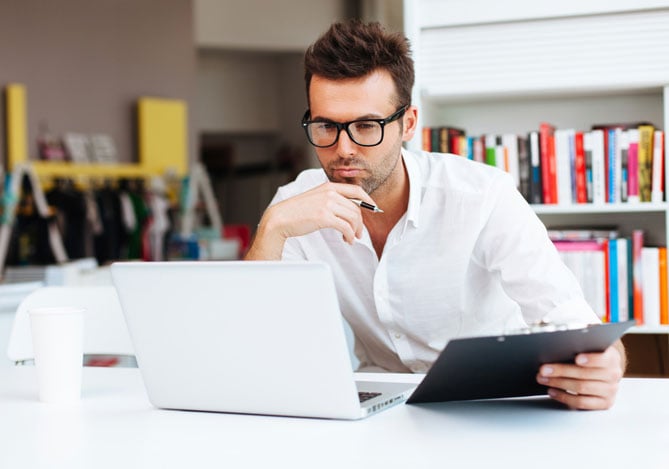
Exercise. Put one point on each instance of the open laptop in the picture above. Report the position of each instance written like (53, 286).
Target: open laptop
(245, 337)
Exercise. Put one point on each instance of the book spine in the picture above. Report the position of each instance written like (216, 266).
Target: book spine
(598, 170)
(657, 188)
(548, 171)
(664, 312)
(580, 169)
(563, 171)
(623, 293)
(637, 275)
(645, 161)
(536, 190)
(650, 261)
(444, 145)
(427, 139)
(623, 141)
(614, 293)
(633, 166)
(490, 154)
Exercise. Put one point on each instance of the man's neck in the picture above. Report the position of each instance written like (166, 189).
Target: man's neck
(393, 199)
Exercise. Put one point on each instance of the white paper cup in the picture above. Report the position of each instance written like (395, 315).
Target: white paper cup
(58, 337)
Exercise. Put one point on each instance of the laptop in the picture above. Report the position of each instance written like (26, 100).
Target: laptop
(261, 337)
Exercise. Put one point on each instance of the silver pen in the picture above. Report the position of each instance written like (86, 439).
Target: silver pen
(363, 204)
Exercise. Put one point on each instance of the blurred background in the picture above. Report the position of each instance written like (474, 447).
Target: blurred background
(237, 66)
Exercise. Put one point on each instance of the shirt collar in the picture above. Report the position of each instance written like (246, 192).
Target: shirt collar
(415, 187)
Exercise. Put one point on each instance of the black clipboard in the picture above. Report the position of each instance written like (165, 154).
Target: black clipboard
(506, 366)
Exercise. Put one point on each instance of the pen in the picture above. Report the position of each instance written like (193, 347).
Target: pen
(363, 204)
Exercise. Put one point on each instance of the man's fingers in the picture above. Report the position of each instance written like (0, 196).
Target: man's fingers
(578, 401)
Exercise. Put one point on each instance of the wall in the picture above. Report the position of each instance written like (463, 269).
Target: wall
(86, 62)
(288, 25)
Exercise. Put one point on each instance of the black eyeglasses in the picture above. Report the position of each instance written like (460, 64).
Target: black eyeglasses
(323, 133)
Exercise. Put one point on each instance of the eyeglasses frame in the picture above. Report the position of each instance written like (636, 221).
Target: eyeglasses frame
(345, 126)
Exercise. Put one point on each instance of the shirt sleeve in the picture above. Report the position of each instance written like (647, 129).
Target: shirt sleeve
(514, 244)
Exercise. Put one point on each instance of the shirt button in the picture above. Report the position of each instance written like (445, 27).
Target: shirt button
(398, 335)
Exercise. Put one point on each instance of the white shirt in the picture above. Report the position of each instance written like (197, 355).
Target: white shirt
(469, 257)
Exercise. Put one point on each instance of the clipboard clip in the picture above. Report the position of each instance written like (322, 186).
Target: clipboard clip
(545, 325)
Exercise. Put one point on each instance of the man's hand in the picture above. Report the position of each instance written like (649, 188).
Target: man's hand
(325, 206)
(591, 383)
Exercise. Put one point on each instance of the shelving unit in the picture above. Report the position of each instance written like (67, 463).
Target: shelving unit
(507, 68)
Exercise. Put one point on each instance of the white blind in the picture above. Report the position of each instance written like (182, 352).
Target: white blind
(609, 51)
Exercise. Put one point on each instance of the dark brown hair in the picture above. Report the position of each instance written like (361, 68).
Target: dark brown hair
(353, 49)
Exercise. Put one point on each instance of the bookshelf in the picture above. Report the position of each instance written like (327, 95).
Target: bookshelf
(504, 68)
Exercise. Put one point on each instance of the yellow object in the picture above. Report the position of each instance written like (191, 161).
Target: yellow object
(16, 121)
(163, 139)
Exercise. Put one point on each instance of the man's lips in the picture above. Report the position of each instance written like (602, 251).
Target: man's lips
(348, 171)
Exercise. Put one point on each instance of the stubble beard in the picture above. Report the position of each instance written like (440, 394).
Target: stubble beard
(378, 176)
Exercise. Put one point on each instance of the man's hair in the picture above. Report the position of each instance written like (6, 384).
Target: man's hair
(353, 49)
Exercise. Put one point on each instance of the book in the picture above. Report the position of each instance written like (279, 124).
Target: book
(566, 233)
(536, 189)
(623, 141)
(664, 312)
(633, 166)
(596, 143)
(490, 153)
(613, 312)
(637, 275)
(563, 165)
(623, 275)
(650, 263)
(580, 174)
(657, 181)
(510, 144)
(548, 165)
(524, 167)
(585, 259)
(645, 151)
(427, 139)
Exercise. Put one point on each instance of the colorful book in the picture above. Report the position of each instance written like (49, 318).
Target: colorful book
(646, 133)
(548, 166)
(585, 259)
(580, 173)
(637, 275)
(536, 190)
(633, 166)
(664, 312)
(657, 182)
(613, 284)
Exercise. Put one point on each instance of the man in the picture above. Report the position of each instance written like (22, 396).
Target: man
(456, 251)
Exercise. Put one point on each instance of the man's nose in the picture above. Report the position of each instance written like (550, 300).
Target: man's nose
(344, 144)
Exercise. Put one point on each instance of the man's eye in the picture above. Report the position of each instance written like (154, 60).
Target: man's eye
(365, 126)
(326, 126)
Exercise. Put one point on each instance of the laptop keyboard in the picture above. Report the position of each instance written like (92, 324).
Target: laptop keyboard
(365, 396)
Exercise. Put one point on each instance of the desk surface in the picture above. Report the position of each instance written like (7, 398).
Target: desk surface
(114, 425)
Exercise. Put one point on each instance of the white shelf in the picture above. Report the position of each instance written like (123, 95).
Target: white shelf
(493, 69)
(600, 208)
(649, 330)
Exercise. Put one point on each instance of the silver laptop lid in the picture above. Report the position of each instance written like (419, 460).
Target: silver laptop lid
(249, 337)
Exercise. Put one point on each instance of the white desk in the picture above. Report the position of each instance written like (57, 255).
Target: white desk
(115, 426)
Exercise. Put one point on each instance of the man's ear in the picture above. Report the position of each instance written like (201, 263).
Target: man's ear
(410, 121)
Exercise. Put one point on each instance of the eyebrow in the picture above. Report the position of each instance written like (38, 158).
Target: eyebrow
(366, 116)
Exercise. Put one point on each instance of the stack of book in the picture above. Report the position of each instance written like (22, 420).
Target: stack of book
(612, 163)
(621, 278)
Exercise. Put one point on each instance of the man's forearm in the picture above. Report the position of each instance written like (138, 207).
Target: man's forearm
(266, 245)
